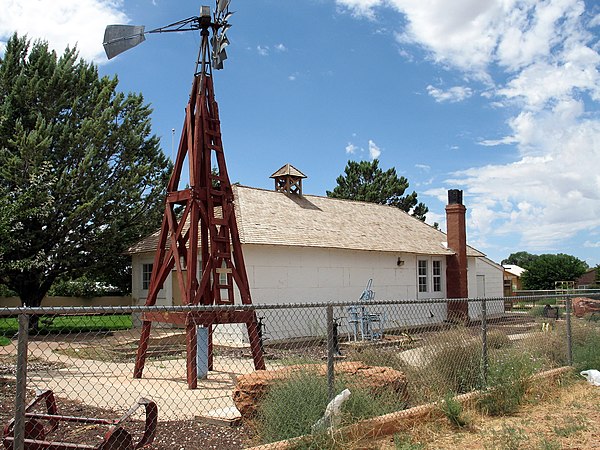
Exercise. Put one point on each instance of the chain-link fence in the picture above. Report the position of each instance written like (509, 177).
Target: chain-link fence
(76, 365)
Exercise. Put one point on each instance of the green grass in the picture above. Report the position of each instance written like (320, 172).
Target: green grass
(572, 426)
(452, 409)
(70, 324)
(405, 442)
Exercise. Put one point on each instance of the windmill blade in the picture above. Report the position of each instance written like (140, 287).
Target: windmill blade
(218, 58)
(120, 38)
(222, 5)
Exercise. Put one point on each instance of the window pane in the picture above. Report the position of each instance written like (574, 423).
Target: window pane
(437, 276)
(422, 275)
(146, 275)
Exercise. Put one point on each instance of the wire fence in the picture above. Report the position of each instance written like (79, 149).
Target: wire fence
(67, 374)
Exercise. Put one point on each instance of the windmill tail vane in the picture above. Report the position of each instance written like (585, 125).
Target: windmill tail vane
(120, 38)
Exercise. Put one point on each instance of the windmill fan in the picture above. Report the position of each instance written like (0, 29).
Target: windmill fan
(120, 38)
(199, 248)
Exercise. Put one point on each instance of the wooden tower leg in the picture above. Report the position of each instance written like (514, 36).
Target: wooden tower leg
(140, 358)
(192, 354)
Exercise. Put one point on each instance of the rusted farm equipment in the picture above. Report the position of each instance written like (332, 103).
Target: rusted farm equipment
(38, 427)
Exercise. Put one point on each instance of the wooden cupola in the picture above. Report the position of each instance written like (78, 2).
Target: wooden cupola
(288, 179)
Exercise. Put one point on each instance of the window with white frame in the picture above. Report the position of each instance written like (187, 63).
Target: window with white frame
(422, 275)
(146, 275)
(437, 275)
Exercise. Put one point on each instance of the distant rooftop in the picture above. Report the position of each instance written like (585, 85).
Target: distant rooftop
(514, 269)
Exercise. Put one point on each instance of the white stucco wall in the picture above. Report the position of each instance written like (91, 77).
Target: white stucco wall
(492, 273)
(284, 275)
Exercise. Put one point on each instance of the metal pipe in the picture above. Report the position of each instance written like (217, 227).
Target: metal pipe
(330, 354)
(484, 346)
(21, 380)
(569, 333)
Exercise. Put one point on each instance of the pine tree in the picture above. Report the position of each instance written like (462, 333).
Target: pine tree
(366, 181)
(81, 176)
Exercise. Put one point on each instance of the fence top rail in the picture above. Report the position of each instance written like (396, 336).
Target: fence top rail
(83, 310)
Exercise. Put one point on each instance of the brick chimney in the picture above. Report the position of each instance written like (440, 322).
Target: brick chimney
(456, 265)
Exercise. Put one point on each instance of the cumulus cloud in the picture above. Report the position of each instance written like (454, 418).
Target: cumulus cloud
(62, 23)
(374, 150)
(281, 48)
(452, 95)
(540, 61)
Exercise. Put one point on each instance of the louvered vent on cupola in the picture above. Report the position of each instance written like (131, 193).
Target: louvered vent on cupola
(288, 179)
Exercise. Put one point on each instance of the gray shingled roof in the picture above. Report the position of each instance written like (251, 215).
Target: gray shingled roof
(275, 218)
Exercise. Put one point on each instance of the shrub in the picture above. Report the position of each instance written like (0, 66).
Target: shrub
(82, 287)
(496, 339)
(291, 407)
(585, 351)
(508, 380)
(6, 292)
(452, 409)
(456, 366)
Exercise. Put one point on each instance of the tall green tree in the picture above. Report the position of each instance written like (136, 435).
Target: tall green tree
(81, 176)
(546, 269)
(366, 181)
(521, 259)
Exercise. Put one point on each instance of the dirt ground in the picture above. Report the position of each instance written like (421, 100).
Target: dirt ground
(171, 435)
(560, 417)
(563, 417)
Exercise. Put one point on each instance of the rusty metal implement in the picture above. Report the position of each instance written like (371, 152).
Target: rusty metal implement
(38, 426)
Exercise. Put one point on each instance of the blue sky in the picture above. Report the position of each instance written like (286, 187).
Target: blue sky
(500, 98)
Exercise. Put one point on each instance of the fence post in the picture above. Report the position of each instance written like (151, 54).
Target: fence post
(21, 381)
(484, 347)
(569, 334)
(330, 353)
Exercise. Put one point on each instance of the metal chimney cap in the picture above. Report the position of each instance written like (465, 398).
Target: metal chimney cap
(455, 197)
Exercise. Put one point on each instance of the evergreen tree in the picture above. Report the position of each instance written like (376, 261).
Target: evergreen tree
(366, 181)
(81, 176)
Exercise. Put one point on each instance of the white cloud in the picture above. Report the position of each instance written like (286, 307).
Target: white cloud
(292, 77)
(281, 48)
(351, 149)
(360, 8)
(62, 23)
(589, 244)
(423, 167)
(452, 95)
(540, 59)
(374, 150)
(262, 51)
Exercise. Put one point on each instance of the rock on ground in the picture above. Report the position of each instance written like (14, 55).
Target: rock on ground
(251, 388)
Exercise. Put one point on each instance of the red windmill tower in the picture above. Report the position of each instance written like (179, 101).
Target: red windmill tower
(207, 225)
